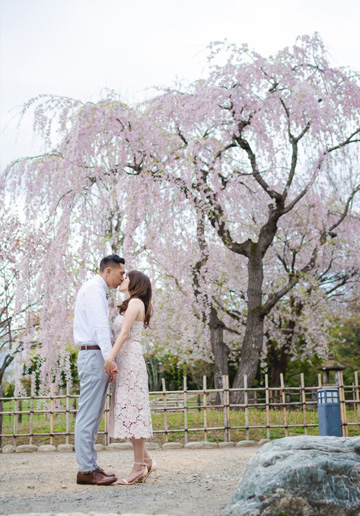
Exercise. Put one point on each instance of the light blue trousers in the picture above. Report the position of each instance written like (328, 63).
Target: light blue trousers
(93, 388)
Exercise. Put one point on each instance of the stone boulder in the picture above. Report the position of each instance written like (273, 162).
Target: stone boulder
(301, 476)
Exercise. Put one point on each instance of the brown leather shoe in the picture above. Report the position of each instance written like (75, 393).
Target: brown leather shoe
(100, 470)
(94, 478)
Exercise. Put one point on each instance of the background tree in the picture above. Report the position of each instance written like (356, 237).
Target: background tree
(18, 312)
(299, 326)
(262, 137)
(241, 151)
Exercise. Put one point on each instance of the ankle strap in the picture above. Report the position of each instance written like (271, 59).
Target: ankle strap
(140, 463)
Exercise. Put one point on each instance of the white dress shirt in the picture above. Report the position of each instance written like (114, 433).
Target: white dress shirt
(91, 320)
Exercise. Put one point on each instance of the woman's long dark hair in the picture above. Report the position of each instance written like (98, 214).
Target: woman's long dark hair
(139, 287)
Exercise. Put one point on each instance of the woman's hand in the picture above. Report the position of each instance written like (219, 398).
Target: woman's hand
(110, 365)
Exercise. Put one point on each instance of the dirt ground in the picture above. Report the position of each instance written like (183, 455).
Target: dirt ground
(190, 482)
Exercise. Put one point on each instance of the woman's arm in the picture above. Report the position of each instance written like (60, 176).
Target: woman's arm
(134, 308)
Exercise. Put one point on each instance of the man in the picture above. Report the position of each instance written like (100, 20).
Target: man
(92, 335)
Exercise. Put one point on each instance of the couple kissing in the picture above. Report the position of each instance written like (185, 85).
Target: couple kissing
(122, 364)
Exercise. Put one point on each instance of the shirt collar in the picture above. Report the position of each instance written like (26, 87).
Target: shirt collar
(101, 281)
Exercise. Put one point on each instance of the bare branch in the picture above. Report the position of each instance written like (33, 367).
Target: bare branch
(294, 279)
(244, 144)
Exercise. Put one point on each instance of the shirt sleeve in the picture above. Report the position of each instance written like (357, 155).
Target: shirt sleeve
(98, 318)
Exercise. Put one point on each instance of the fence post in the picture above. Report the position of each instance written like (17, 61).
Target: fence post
(186, 433)
(227, 401)
(15, 420)
(267, 406)
(67, 409)
(319, 381)
(353, 395)
(165, 410)
(246, 401)
(52, 413)
(107, 439)
(357, 397)
(31, 416)
(205, 406)
(303, 399)
(342, 405)
(283, 400)
(223, 397)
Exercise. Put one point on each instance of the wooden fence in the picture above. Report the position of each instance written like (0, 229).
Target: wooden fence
(263, 410)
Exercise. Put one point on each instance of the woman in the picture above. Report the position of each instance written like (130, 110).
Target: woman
(130, 410)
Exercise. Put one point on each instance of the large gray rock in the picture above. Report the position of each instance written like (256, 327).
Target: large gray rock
(301, 476)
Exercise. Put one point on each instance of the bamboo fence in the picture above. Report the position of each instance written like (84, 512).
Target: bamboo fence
(283, 399)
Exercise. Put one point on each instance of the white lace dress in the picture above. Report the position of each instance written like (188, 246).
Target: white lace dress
(129, 407)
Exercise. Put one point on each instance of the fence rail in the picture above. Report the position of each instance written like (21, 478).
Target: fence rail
(216, 414)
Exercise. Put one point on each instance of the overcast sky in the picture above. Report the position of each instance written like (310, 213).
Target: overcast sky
(78, 47)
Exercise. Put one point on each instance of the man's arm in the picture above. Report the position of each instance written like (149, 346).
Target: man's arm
(98, 319)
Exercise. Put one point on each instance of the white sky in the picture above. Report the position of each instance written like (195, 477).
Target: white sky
(78, 47)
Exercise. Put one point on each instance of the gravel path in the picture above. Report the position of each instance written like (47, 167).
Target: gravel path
(190, 482)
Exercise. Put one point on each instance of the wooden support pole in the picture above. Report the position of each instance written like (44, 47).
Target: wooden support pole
(267, 408)
(186, 429)
(67, 414)
(227, 402)
(107, 439)
(51, 413)
(319, 381)
(205, 406)
(246, 401)
(31, 418)
(342, 405)
(165, 410)
(224, 408)
(15, 420)
(357, 399)
(283, 400)
(303, 399)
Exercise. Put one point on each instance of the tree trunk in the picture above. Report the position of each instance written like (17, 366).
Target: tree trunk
(254, 333)
(278, 362)
(220, 350)
(279, 358)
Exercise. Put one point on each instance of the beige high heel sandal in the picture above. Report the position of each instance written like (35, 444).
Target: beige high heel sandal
(153, 468)
(137, 480)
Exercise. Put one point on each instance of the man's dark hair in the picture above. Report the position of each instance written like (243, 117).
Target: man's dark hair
(113, 260)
